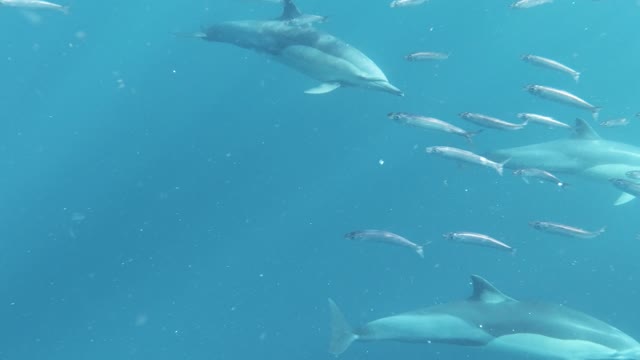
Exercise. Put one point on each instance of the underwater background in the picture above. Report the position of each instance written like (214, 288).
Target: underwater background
(169, 198)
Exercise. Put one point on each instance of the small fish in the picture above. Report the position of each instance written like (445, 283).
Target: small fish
(466, 156)
(426, 55)
(525, 4)
(34, 4)
(472, 238)
(430, 123)
(615, 122)
(385, 237)
(633, 174)
(539, 174)
(307, 20)
(565, 230)
(491, 122)
(551, 64)
(404, 3)
(627, 186)
(563, 97)
(541, 119)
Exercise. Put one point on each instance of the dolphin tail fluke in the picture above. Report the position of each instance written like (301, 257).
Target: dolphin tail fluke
(341, 334)
(576, 77)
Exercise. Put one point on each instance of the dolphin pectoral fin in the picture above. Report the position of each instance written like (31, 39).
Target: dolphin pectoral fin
(323, 88)
(623, 199)
(341, 334)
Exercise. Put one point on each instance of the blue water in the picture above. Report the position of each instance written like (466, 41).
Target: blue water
(167, 198)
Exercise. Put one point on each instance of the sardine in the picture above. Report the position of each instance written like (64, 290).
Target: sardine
(403, 3)
(525, 4)
(633, 174)
(627, 186)
(430, 123)
(426, 55)
(386, 237)
(615, 122)
(565, 230)
(466, 156)
(539, 174)
(491, 122)
(34, 4)
(478, 239)
(544, 120)
(563, 97)
(551, 64)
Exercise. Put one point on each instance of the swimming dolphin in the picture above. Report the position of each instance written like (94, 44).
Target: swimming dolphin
(585, 153)
(492, 320)
(314, 53)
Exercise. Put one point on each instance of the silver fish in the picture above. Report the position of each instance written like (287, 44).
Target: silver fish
(478, 239)
(430, 123)
(491, 122)
(403, 3)
(627, 186)
(385, 237)
(307, 20)
(34, 4)
(633, 174)
(525, 4)
(551, 64)
(565, 230)
(426, 55)
(539, 174)
(563, 97)
(541, 119)
(466, 156)
(615, 122)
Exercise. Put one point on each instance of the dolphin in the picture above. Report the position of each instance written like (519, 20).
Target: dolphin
(492, 320)
(585, 154)
(314, 53)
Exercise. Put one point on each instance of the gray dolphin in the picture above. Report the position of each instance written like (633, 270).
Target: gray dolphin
(584, 154)
(314, 53)
(491, 320)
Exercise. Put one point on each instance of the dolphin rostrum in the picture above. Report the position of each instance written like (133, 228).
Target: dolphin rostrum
(491, 320)
(585, 153)
(314, 53)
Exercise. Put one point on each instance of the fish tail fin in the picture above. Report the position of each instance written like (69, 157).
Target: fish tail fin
(65, 10)
(563, 185)
(341, 334)
(500, 166)
(576, 77)
(420, 251)
(601, 230)
(470, 134)
(513, 251)
(596, 113)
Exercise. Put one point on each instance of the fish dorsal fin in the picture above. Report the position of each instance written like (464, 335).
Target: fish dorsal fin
(485, 292)
(584, 131)
(290, 11)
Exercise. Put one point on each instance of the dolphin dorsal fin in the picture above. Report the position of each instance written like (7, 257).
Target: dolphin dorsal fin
(485, 292)
(290, 11)
(584, 131)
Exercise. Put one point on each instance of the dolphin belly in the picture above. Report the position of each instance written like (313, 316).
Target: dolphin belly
(550, 348)
(424, 328)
